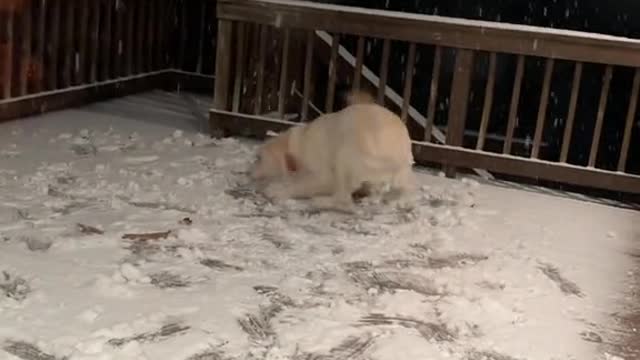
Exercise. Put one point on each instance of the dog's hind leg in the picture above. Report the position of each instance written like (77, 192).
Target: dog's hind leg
(403, 183)
(344, 184)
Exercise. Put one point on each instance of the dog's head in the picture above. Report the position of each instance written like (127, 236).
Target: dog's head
(274, 158)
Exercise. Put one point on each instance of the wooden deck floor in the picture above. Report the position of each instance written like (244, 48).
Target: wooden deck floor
(621, 335)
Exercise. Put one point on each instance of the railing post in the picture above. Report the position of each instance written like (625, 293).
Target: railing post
(223, 72)
(6, 49)
(459, 102)
(24, 48)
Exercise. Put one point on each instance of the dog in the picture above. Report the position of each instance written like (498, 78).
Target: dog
(337, 154)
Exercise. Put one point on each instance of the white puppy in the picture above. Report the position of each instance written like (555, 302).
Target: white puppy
(337, 154)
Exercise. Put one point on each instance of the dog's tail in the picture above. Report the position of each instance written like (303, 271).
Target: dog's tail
(354, 97)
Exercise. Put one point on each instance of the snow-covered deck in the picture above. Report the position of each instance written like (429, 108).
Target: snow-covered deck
(125, 234)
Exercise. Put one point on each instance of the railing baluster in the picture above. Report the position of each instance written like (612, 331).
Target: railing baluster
(333, 70)
(25, 48)
(542, 108)
(80, 57)
(107, 42)
(602, 107)
(53, 45)
(631, 114)
(262, 54)
(202, 38)
(69, 49)
(151, 36)
(171, 26)
(408, 82)
(384, 70)
(183, 34)
(141, 18)
(357, 73)
(95, 40)
(240, 61)
(433, 93)
(459, 101)
(308, 67)
(6, 57)
(513, 108)
(573, 102)
(283, 93)
(223, 66)
(160, 25)
(488, 102)
(168, 11)
(117, 50)
(40, 39)
(169, 19)
(128, 43)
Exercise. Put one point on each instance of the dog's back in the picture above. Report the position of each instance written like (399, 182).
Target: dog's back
(376, 132)
(381, 131)
(363, 131)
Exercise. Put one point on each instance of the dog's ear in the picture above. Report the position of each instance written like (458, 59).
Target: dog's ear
(291, 163)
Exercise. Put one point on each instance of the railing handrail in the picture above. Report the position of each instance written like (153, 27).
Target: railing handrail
(437, 30)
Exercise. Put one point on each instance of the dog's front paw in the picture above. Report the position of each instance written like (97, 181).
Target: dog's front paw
(276, 191)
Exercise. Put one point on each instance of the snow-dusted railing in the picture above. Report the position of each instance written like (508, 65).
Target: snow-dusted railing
(60, 53)
(296, 53)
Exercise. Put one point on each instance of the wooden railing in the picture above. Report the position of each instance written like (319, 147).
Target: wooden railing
(260, 42)
(60, 53)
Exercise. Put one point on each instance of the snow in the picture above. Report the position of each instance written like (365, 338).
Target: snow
(467, 270)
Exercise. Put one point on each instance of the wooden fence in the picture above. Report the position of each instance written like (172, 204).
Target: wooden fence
(61, 53)
(267, 50)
